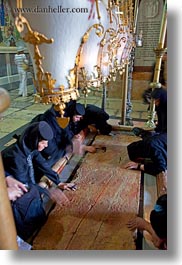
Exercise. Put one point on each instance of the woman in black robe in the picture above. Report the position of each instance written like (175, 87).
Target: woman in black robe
(23, 159)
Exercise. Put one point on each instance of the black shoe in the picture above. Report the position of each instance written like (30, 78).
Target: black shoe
(138, 131)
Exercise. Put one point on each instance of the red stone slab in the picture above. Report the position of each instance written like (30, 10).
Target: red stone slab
(96, 216)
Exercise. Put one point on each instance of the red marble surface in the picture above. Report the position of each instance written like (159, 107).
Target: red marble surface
(96, 215)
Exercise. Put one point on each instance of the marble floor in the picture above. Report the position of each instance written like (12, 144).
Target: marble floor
(95, 216)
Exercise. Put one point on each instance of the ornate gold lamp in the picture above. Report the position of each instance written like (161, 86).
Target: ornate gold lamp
(52, 47)
(105, 54)
(45, 84)
(62, 65)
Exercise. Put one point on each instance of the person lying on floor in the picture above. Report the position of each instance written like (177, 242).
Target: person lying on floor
(97, 117)
(75, 129)
(61, 145)
(91, 115)
(149, 154)
(157, 227)
(82, 119)
(23, 159)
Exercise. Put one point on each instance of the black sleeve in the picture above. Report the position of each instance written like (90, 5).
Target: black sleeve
(149, 167)
(15, 164)
(158, 155)
(40, 162)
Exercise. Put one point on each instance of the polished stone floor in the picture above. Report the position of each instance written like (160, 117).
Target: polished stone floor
(94, 217)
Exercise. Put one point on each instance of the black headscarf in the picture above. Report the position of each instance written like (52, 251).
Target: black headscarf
(34, 133)
(74, 108)
(161, 94)
(158, 217)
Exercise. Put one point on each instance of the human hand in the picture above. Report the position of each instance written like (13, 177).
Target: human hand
(14, 183)
(78, 136)
(67, 186)
(89, 148)
(141, 224)
(158, 242)
(14, 193)
(138, 223)
(131, 165)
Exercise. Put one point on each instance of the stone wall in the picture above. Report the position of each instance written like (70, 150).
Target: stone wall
(141, 81)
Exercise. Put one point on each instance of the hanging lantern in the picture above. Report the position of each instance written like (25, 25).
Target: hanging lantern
(53, 31)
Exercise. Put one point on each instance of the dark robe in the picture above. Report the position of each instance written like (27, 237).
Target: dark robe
(61, 142)
(161, 110)
(93, 116)
(151, 151)
(22, 159)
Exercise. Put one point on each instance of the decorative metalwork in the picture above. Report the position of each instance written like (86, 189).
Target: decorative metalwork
(120, 10)
(97, 8)
(45, 83)
(111, 43)
(96, 79)
(85, 82)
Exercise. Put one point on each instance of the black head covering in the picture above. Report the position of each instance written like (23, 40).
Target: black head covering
(160, 93)
(45, 131)
(74, 108)
(158, 217)
(36, 132)
(79, 109)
